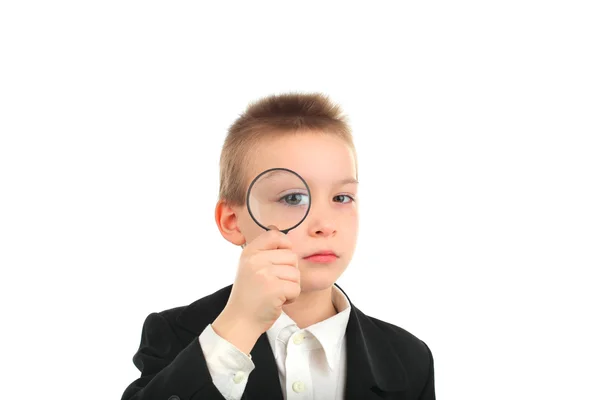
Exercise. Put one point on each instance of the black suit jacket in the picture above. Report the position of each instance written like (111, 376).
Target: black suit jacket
(383, 360)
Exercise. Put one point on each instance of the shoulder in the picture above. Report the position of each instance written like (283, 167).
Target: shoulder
(396, 356)
(195, 316)
(398, 335)
(402, 341)
(408, 347)
(171, 314)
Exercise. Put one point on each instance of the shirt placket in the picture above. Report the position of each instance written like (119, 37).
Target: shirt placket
(299, 384)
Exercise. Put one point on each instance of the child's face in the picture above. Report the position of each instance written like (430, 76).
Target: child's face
(332, 223)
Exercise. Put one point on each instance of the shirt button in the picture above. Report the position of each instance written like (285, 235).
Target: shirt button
(239, 376)
(298, 338)
(298, 387)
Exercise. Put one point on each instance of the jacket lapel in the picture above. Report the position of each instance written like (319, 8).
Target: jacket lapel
(265, 384)
(373, 369)
(372, 365)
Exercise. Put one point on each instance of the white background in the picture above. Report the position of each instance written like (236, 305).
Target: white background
(476, 125)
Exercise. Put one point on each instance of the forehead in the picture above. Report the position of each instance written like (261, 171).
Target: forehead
(319, 158)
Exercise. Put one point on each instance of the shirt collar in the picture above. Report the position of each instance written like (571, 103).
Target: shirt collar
(329, 332)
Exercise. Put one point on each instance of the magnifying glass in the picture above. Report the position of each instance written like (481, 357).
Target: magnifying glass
(278, 197)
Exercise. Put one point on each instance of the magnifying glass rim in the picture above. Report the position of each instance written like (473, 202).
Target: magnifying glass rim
(267, 171)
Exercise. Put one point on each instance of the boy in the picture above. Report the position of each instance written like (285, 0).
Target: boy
(284, 329)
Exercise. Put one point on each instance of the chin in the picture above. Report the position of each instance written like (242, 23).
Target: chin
(321, 279)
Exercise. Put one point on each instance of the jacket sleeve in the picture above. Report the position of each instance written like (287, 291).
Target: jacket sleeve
(428, 392)
(169, 371)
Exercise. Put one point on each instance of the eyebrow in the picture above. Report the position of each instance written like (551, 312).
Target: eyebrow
(273, 174)
(347, 181)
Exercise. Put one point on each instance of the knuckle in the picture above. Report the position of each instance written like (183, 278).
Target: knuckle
(252, 260)
(274, 233)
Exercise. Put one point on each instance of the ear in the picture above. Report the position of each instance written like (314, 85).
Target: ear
(228, 224)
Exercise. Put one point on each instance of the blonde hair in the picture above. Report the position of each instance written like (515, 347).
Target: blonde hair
(270, 117)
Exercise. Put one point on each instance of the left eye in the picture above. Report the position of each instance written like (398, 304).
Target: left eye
(294, 199)
(343, 198)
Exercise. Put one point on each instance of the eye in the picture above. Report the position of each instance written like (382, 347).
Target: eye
(343, 198)
(294, 199)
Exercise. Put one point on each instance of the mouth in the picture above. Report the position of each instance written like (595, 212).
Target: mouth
(322, 257)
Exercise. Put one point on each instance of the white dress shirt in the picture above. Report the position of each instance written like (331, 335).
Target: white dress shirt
(311, 361)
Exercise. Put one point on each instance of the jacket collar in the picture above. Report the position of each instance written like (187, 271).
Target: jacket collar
(372, 364)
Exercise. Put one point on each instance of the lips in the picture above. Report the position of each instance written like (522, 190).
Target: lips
(322, 253)
(322, 256)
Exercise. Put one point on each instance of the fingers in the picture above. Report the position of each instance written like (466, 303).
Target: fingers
(291, 291)
(269, 240)
(286, 273)
(279, 257)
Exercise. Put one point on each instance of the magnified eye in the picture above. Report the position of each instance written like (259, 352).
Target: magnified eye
(294, 199)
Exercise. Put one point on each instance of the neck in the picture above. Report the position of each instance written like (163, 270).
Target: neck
(311, 308)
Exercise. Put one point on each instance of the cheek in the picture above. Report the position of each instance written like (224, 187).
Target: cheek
(352, 216)
(348, 223)
(354, 226)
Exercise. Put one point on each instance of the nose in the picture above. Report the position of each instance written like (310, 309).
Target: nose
(321, 222)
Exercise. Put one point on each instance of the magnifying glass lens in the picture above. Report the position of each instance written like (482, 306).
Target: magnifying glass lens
(278, 197)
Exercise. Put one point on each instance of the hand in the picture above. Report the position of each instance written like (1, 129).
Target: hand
(266, 279)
